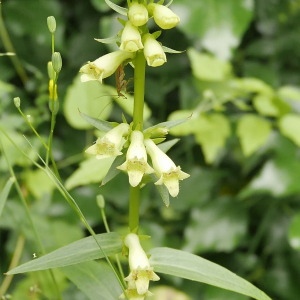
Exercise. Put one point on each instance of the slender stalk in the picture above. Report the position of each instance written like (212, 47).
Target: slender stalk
(10, 48)
(138, 109)
(37, 238)
(14, 262)
(116, 256)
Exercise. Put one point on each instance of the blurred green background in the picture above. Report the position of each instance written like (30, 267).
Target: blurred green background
(239, 79)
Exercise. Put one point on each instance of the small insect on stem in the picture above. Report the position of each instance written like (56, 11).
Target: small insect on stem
(120, 81)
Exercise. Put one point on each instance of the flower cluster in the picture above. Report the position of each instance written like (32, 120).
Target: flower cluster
(136, 164)
(140, 270)
(132, 38)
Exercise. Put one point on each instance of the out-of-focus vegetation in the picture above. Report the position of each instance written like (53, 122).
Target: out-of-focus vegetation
(238, 80)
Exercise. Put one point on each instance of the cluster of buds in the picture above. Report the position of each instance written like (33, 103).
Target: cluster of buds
(136, 164)
(132, 38)
(140, 270)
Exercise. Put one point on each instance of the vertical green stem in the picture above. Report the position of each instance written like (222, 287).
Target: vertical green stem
(138, 109)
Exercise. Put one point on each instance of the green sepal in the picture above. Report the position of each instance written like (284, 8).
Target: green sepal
(167, 5)
(158, 140)
(124, 119)
(162, 190)
(156, 34)
(99, 124)
(110, 40)
(123, 22)
(121, 10)
(168, 124)
(169, 50)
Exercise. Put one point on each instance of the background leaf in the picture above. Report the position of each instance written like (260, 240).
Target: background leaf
(192, 267)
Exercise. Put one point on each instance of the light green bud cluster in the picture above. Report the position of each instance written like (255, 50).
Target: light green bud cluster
(134, 37)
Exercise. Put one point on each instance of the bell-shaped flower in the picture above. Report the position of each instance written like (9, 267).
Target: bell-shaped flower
(140, 270)
(137, 14)
(136, 159)
(104, 66)
(163, 16)
(111, 143)
(153, 51)
(131, 40)
(165, 169)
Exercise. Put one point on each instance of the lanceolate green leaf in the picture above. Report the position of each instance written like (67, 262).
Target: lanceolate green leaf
(100, 124)
(168, 124)
(109, 40)
(95, 279)
(80, 251)
(5, 192)
(186, 265)
(117, 8)
(166, 146)
(113, 171)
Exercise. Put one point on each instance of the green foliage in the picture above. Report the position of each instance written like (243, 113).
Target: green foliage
(236, 104)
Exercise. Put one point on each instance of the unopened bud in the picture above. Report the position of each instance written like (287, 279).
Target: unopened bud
(56, 62)
(51, 24)
(17, 101)
(50, 70)
(100, 201)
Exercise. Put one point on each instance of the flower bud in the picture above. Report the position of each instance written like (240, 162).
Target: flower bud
(131, 40)
(50, 70)
(56, 62)
(100, 201)
(104, 66)
(137, 14)
(163, 16)
(17, 102)
(136, 159)
(51, 24)
(165, 169)
(110, 144)
(153, 51)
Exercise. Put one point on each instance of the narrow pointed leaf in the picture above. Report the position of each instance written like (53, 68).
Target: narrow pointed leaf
(94, 279)
(113, 171)
(80, 251)
(189, 266)
(99, 124)
(169, 50)
(110, 40)
(5, 192)
(162, 190)
(117, 8)
(168, 124)
(166, 146)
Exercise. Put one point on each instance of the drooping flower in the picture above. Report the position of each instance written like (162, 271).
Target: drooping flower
(136, 159)
(140, 270)
(137, 14)
(131, 40)
(153, 51)
(165, 169)
(104, 66)
(110, 144)
(163, 16)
